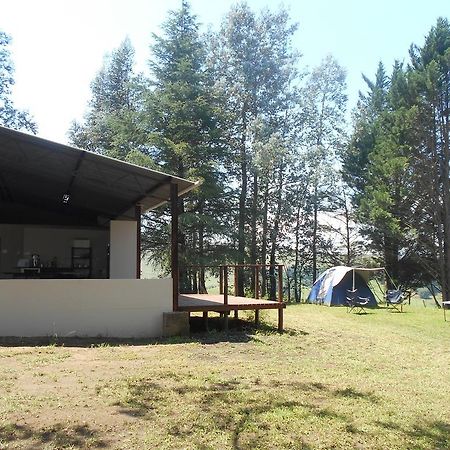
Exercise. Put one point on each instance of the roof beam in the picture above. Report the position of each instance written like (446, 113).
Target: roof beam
(74, 174)
(149, 192)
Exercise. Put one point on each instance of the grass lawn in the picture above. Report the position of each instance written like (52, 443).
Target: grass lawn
(332, 381)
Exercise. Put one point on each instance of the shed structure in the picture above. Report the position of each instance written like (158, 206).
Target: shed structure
(70, 222)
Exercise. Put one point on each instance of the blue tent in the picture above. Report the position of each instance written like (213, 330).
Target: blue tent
(332, 285)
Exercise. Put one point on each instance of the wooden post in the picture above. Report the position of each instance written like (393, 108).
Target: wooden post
(256, 281)
(220, 279)
(235, 281)
(280, 284)
(280, 320)
(225, 285)
(236, 314)
(138, 213)
(256, 317)
(205, 320)
(174, 245)
(225, 320)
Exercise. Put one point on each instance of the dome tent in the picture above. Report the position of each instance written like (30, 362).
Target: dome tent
(332, 285)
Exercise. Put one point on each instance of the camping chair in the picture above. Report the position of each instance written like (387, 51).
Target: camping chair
(355, 302)
(395, 299)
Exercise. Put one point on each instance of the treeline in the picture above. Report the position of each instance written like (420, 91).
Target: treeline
(234, 109)
(285, 179)
(397, 164)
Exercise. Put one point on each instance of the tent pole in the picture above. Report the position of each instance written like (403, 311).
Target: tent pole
(353, 288)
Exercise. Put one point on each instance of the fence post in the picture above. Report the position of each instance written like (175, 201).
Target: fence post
(225, 285)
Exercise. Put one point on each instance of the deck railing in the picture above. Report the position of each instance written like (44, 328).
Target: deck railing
(256, 268)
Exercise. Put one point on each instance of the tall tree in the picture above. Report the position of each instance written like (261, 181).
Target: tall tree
(182, 116)
(10, 116)
(112, 124)
(254, 65)
(430, 87)
(323, 118)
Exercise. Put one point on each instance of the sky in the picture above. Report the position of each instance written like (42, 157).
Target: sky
(59, 45)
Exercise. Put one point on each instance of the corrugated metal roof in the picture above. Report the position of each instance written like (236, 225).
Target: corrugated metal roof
(39, 173)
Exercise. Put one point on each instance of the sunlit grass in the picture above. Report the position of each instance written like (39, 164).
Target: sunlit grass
(333, 380)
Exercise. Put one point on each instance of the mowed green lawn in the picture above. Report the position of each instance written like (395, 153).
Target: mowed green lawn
(332, 381)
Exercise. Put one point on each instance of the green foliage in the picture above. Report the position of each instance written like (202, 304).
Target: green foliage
(9, 115)
(112, 125)
(398, 163)
(182, 116)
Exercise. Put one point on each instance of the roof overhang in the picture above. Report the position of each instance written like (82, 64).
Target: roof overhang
(39, 174)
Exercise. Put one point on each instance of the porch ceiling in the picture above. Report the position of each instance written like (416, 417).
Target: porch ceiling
(37, 173)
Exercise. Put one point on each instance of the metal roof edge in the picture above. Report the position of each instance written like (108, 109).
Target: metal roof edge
(42, 141)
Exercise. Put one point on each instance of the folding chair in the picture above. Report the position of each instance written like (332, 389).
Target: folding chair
(395, 299)
(356, 303)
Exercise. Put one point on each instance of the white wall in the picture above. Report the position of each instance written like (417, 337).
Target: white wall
(123, 249)
(108, 308)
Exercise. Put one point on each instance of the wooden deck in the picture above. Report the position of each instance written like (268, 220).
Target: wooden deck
(215, 303)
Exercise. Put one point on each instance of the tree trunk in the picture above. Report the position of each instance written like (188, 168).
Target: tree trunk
(253, 245)
(314, 236)
(242, 199)
(201, 273)
(445, 129)
(274, 237)
(347, 233)
(264, 241)
(297, 256)
(391, 260)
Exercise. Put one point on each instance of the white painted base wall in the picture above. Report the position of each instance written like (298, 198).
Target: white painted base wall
(107, 308)
(123, 249)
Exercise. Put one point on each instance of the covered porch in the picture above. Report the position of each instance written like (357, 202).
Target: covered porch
(70, 241)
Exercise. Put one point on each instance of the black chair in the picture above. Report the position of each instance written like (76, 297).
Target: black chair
(355, 302)
(395, 299)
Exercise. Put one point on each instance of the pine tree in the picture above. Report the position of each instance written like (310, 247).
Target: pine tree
(182, 118)
(429, 75)
(112, 126)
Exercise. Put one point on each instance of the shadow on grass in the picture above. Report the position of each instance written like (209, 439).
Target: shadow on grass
(353, 393)
(239, 331)
(424, 435)
(60, 436)
(245, 410)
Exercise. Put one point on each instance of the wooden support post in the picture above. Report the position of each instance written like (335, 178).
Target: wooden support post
(225, 285)
(280, 320)
(256, 317)
(221, 280)
(280, 284)
(225, 320)
(138, 215)
(257, 282)
(205, 320)
(235, 281)
(236, 314)
(174, 245)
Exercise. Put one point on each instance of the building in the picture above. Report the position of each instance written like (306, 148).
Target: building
(70, 223)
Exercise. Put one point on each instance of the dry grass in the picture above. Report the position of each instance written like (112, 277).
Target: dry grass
(333, 380)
